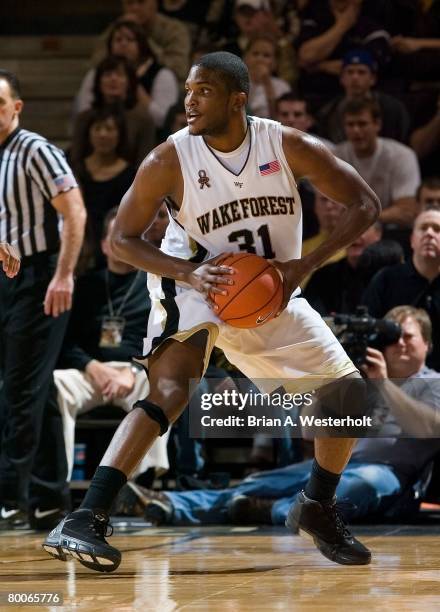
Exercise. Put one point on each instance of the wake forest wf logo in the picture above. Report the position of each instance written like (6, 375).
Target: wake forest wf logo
(244, 209)
(203, 179)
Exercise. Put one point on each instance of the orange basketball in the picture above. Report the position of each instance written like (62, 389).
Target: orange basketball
(256, 295)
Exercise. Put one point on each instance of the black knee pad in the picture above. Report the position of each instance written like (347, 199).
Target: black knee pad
(154, 412)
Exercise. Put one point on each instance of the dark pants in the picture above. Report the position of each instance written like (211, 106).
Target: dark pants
(30, 345)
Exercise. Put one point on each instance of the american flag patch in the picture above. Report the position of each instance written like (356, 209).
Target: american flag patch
(270, 167)
(65, 182)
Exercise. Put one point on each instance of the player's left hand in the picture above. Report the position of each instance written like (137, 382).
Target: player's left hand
(58, 295)
(292, 272)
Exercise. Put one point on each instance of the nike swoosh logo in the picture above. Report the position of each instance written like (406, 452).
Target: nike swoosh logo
(5, 514)
(263, 319)
(41, 514)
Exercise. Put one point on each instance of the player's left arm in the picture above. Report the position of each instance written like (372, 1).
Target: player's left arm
(309, 158)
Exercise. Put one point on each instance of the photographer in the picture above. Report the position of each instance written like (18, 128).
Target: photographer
(414, 406)
(381, 477)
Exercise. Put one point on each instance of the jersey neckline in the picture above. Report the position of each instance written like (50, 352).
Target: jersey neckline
(247, 156)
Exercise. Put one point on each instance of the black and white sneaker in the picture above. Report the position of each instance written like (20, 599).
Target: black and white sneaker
(81, 534)
(44, 519)
(323, 523)
(13, 518)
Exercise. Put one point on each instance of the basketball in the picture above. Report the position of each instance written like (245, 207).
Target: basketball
(256, 295)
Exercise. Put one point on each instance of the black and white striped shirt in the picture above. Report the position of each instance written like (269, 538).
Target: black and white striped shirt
(32, 173)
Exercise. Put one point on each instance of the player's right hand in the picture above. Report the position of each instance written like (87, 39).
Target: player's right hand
(10, 259)
(206, 278)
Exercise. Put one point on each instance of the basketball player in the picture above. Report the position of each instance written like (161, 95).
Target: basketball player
(10, 259)
(230, 182)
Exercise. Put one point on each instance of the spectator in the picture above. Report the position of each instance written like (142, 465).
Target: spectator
(167, 38)
(260, 58)
(428, 194)
(156, 231)
(389, 167)
(383, 478)
(338, 286)
(416, 51)
(293, 111)
(36, 192)
(105, 331)
(329, 30)
(175, 120)
(103, 172)
(425, 142)
(158, 89)
(116, 84)
(377, 256)
(198, 17)
(415, 282)
(256, 18)
(358, 77)
(327, 212)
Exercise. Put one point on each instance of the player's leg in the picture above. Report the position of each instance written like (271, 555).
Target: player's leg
(341, 398)
(170, 370)
(82, 533)
(314, 511)
(333, 454)
(295, 343)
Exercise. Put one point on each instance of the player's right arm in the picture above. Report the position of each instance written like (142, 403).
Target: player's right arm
(159, 176)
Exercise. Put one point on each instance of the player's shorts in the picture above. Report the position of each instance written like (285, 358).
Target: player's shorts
(297, 345)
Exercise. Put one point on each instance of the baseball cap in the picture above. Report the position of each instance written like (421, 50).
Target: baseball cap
(256, 5)
(359, 56)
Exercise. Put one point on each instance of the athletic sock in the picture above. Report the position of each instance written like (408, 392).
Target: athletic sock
(105, 485)
(322, 484)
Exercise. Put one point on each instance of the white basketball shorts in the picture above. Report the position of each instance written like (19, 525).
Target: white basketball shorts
(297, 345)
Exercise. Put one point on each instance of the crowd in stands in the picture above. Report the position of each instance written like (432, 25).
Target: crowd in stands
(361, 76)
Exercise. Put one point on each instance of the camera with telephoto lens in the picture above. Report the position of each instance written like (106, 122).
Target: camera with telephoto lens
(357, 331)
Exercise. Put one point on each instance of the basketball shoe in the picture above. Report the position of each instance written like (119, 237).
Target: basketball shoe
(45, 519)
(12, 517)
(323, 523)
(81, 535)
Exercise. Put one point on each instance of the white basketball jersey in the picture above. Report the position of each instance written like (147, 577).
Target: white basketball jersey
(257, 210)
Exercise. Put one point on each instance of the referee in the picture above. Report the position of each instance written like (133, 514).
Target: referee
(42, 215)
